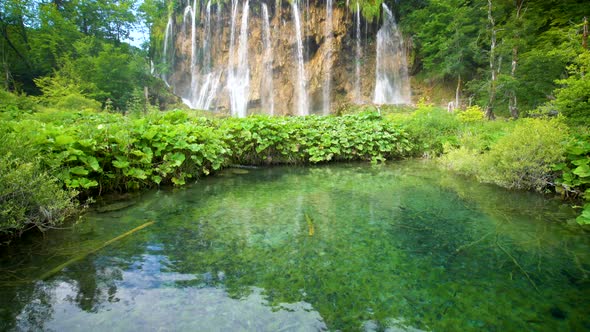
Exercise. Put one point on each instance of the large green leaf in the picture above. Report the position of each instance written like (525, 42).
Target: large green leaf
(582, 171)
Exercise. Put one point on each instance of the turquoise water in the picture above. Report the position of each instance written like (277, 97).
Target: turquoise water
(401, 246)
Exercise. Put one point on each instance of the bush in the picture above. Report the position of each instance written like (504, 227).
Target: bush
(76, 102)
(30, 198)
(523, 159)
(471, 114)
(15, 104)
(462, 160)
(432, 129)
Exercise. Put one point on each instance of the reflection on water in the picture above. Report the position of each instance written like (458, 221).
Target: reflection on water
(144, 297)
(351, 247)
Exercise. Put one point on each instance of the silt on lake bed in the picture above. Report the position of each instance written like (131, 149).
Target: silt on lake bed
(400, 246)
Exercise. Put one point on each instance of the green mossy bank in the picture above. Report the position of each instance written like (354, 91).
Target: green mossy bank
(52, 158)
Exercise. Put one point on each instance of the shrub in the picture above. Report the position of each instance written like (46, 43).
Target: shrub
(15, 103)
(523, 158)
(432, 129)
(30, 198)
(462, 160)
(471, 114)
(76, 102)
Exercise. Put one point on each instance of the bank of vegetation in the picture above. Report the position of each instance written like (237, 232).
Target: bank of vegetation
(52, 160)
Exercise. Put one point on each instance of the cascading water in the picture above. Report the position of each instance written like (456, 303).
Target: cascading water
(326, 89)
(206, 48)
(168, 59)
(209, 66)
(392, 84)
(204, 80)
(239, 74)
(266, 85)
(301, 86)
(359, 55)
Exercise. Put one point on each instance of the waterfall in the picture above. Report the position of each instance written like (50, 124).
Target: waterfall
(239, 74)
(301, 93)
(392, 85)
(188, 10)
(194, 73)
(206, 41)
(169, 32)
(359, 55)
(193, 35)
(266, 84)
(328, 58)
(204, 80)
(294, 58)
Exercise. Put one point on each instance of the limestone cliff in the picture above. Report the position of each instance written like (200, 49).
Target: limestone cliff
(204, 58)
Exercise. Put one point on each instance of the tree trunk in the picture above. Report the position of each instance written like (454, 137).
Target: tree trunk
(458, 93)
(6, 76)
(512, 102)
(146, 95)
(490, 107)
(585, 34)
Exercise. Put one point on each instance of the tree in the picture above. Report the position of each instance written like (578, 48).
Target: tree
(573, 99)
(14, 41)
(445, 35)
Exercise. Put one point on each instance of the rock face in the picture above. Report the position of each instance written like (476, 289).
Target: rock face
(207, 45)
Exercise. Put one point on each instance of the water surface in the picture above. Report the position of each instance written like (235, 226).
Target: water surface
(334, 247)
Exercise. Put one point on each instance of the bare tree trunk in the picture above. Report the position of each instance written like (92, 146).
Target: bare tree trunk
(585, 34)
(512, 101)
(458, 93)
(6, 76)
(147, 99)
(490, 107)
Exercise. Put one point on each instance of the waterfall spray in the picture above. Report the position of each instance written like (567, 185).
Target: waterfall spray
(239, 78)
(328, 58)
(302, 105)
(392, 84)
(266, 88)
(359, 55)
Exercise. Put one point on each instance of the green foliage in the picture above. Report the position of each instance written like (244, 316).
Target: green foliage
(15, 103)
(363, 136)
(109, 152)
(446, 36)
(103, 152)
(432, 129)
(521, 159)
(63, 90)
(573, 100)
(370, 9)
(30, 197)
(575, 174)
(76, 101)
(471, 114)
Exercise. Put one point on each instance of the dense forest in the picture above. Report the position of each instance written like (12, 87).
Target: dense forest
(69, 72)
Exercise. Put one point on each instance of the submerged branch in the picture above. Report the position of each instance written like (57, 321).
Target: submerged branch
(82, 256)
(519, 266)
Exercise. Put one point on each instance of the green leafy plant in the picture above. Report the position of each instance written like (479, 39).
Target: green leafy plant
(471, 114)
(523, 158)
(575, 174)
